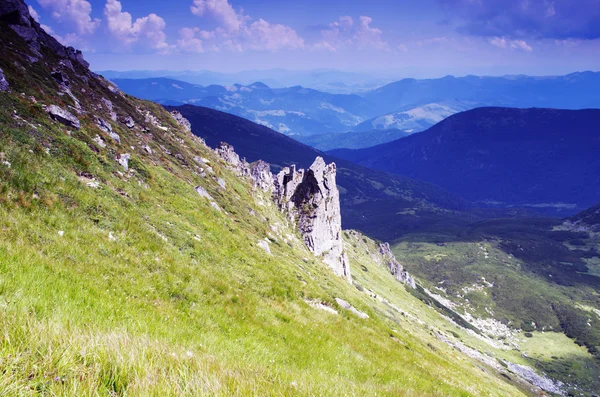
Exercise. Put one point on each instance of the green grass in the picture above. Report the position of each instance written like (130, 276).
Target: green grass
(140, 287)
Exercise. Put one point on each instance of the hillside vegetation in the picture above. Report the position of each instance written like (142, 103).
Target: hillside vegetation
(118, 279)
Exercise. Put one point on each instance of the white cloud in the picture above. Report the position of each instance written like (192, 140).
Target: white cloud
(235, 32)
(503, 42)
(147, 31)
(75, 13)
(346, 32)
(220, 10)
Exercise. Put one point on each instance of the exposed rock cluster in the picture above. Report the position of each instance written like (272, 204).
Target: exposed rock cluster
(182, 121)
(228, 154)
(311, 200)
(394, 266)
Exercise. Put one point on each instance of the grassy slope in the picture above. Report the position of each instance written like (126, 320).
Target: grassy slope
(140, 287)
(519, 297)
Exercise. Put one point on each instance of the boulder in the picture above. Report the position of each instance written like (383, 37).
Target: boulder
(103, 125)
(228, 154)
(127, 120)
(312, 201)
(62, 116)
(123, 159)
(395, 268)
(3, 83)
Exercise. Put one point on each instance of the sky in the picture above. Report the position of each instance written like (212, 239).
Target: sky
(418, 38)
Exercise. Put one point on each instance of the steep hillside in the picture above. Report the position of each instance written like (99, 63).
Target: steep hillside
(541, 158)
(351, 140)
(135, 260)
(572, 91)
(589, 218)
(382, 205)
(291, 111)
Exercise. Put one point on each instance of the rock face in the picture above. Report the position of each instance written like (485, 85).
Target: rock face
(311, 200)
(394, 267)
(228, 154)
(260, 173)
(3, 82)
(127, 120)
(63, 116)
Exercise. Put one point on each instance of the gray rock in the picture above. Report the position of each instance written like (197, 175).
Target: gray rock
(123, 159)
(312, 201)
(394, 266)
(14, 12)
(148, 149)
(115, 136)
(352, 309)
(535, 379)
(99, 141)
(127, 120)
(63, 116)
(107, 104)
(3, 83)
(260, 173)
(226, 152)
(222, 183)
(103, 125)
(182, 121)
(60, 77)
(27, 33)
(264, 244)
(203, 193)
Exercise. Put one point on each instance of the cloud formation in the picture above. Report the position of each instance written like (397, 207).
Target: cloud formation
(74, 13)
(520, 19)
(147, 31)
(503, 42)
(235, 32)
(347, 32)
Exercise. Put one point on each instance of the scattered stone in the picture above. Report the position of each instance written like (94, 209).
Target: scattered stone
(123, 159)
(321, 306)
(99, 141)
(311, 200)
(111, 237)
(203, 193)
(352, 309)
(107, 104)
(3, 83)
(222, 183)
(115, 136)
(395, 267)
(535, 379)
(215, 206)
(61, 233)
(148, 149)
(127, 120)
(62, 116)
(103, 125)
(60, 77)
(264, 244)
(182, 121)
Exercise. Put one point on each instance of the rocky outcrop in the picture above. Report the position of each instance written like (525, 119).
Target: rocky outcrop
(394, 266)
(311, 200)
(103, 125)
(3, 83)
(228, 154)
(262, 178)
(62, 116)
(182, 121)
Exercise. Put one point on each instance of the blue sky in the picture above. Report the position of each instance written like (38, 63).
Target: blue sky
(420, 38)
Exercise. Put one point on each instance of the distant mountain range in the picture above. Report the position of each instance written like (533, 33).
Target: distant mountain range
(291, 111)
(539, 158)
(407, 106)
(328, 80)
